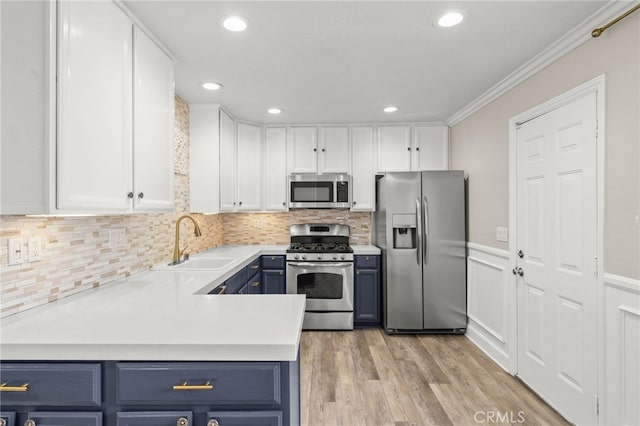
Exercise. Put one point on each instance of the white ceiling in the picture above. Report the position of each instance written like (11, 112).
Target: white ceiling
(343, 61)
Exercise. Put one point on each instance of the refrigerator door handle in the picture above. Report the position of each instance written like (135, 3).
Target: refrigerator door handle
(426, 230)
(419, 231)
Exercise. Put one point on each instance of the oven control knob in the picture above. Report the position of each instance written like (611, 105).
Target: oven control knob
(304, 257)
(296, 257)
(335, 257)
(342, 256)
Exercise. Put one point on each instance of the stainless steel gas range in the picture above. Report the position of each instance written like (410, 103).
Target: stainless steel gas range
(320, 266)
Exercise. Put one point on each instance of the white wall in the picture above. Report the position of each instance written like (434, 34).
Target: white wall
(479, 145)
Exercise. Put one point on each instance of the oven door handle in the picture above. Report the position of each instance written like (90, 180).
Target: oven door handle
(320, 264)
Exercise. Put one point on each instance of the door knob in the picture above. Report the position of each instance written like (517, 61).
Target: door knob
(141, 195)
(520, 254)
(518, 271)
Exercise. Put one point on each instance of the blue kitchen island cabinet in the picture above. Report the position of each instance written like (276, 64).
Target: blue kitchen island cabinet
(152, 393)
(273, 275)
(367, 291)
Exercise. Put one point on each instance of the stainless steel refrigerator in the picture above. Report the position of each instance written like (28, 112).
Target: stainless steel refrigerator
(419, 225)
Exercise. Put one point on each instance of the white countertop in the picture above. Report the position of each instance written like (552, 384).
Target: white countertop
(164, 315)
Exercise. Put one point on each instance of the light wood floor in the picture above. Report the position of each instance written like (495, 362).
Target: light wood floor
(366, 377)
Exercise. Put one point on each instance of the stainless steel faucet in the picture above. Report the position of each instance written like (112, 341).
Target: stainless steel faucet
(177, 253)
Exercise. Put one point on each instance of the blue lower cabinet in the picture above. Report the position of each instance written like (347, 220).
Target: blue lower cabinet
(274, 281)
(9, 418)
(367, 291)
(230, 383)
(155, 418)
(46, 418)
(236, 282)
(244, 418)
(51, 384)
(254, 284)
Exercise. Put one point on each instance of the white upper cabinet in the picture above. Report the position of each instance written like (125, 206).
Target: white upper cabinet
(227, 163)
(275, 169)
(302, 150)
(26, 95)
(153, 122)
(364, 168)
(394, 148)
(94, 151)
(249, 167)
(430, 148)
(204, 158)
(334, 155)
(72, 89)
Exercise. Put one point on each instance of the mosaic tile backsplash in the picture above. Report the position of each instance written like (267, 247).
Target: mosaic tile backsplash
(75, 250)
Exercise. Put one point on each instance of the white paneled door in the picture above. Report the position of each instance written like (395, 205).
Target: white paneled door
(556, 264)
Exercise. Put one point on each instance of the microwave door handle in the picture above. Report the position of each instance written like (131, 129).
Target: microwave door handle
(419, 231)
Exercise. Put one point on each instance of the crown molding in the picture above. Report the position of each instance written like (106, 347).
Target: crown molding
(571, 40)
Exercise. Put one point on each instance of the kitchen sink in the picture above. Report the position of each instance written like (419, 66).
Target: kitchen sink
(205, 263)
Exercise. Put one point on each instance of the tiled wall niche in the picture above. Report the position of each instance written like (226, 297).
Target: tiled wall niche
(75, 250)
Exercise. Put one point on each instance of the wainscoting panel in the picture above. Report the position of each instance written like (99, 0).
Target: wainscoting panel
(490, 300)
(620, 366)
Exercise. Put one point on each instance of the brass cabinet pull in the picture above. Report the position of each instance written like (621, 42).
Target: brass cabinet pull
(187, 386)
(213, 422)
(254, 267)
(29, 423)
(182, 422)
(255, 284)
(5, 388)
(3, 422)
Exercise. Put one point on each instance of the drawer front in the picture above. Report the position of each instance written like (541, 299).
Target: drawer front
(46, 418)
(155, 418)
(50, 384)
(9, 418)
(245, 418)
(236, 282)
(367, 261)
(254, 283)
(273, 262)
(253, 267)
(229, 383)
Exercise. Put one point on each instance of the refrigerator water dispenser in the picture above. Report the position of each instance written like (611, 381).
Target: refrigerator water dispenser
(404, 231)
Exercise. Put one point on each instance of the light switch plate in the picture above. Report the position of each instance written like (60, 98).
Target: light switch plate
(502, 234)
(16, 252)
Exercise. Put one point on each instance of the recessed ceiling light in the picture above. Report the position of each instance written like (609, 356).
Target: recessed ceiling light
(235, 23)
(390, 109)
(212, 86)
(450, 19)
(274, 110)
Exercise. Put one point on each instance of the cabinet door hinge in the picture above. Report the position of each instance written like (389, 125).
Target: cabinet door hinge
(597, 405)
(595, 266)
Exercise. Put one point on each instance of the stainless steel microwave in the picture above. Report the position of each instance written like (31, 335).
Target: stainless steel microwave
(309, 191)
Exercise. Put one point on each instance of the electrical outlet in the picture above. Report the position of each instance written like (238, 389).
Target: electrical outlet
(16, 251)
(35, 249)
(502, 234)
(117, 238)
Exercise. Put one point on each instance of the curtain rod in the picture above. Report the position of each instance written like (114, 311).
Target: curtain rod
(598, 31)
